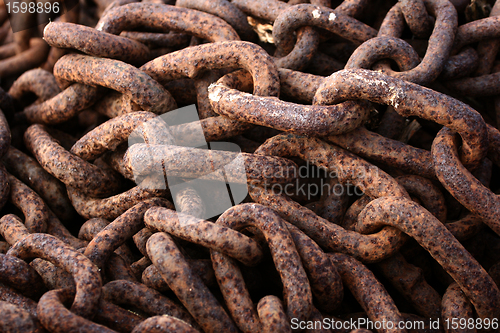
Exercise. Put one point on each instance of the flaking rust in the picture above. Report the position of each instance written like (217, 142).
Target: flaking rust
(369, 165)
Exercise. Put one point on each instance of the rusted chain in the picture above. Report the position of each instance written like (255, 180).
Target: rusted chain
(187, 286)
(57, 229)
(140, 239)
(17, 274)
(301, 86)
(375, 182)
(142, 160)
(92, 227)
(456, 305)
(87, 161)
(272, 314)
(63, 106)
(116, 318)
(440, 42)
(117, 232)
(114, 206)
(416, 16)
(12, 229)
(208, 234)
(333, 203)
(53, 276)
(440, 243)
(476, 86)
(152, 39)
(382, 48)
(86, 275)
(352, 8)
(30, 58)
(286, 259)
(75, 36)
(160, 324)
(233, 54)
(368, 291)
(460, 65)
(114, 74)
(86, 177)
(428, 193)
(32, 174)
(215, 56)
(307, 38)
(139, 266)
(286, 116)
(34, 209)
(38, 81)
(110, 134)
(54, 316)
(475, 31)
(322, 17)
(391, 152)
(117, 268)
(477, 198)
(323, 276)
(71, 16)
(411, 283)
(487, 50)
(203, 102)
(166, 17)
(203, 267)
(9, 295)
(146, 299)
(16, 319)
(225, 10)
(407, 100)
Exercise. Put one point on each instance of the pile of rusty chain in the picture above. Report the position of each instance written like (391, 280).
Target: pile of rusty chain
(390, 108)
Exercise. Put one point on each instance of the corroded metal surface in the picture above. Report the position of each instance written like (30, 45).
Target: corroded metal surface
(369, 148)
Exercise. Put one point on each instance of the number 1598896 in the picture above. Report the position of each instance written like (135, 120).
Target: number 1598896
(32, 7)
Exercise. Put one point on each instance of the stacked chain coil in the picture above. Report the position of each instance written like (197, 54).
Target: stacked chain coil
(341, 172)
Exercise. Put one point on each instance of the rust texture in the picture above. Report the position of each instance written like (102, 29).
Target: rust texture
(146, 299)
(285, 256)
(470, 192)
(117, 232)
(369, 292)
(368, 145)
(39, 81)
(117, 75)
(74, 36)
(166, 17)
(456, 305)
(34, 209)
(426, 229)
(187, 286)
(409, 99)
(209, 234)
(86, 275)
(29, 171)
(74, 172)
(159, 324)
